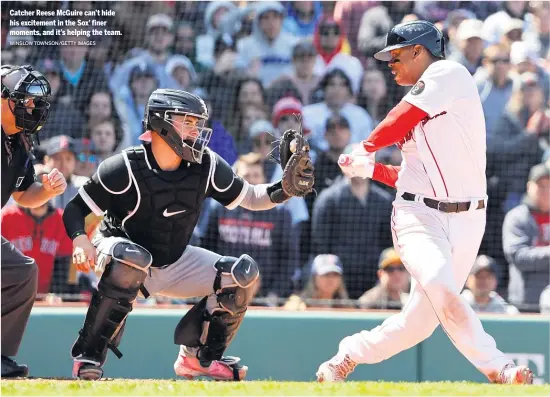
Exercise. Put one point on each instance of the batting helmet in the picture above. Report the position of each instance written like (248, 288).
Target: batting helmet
(410, 33)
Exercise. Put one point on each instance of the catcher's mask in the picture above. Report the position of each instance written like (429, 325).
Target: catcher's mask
(27, 91)
(179, 118)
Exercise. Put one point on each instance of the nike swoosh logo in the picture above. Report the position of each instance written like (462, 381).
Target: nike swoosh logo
(167, 214)
(248, 270)
(129, 250)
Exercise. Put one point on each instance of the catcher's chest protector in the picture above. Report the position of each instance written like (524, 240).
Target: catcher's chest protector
(169, 206)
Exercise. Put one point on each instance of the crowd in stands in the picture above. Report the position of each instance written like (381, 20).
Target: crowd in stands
(264, 67)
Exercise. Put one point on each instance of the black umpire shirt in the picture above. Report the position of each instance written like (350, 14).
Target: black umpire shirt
(17, 168)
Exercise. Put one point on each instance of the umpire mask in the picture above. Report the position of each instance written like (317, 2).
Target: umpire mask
(27, 91)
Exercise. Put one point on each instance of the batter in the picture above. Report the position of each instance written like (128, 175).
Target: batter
(438, 217)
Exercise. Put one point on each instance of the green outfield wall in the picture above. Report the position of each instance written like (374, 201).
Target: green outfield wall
(279, 345)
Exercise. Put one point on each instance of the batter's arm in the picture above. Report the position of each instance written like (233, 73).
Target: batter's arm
(395, 126)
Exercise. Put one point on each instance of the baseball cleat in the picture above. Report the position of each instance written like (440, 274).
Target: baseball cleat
(515, 375)
(336, 369)
(87, 369)
(228, 368)
(10, 369)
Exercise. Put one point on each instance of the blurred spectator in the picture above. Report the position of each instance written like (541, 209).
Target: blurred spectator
(526, 240)
(131, 99)
(267, 51)
(302, 77)
(349, 14)
(376, 22)
(338, 98)
(79, 78)
(219, 82)
(86, 159)
(350, 220)
(261, 135)
(373, 95)
(212, 17)
(391, 292)
(180, 68)
(450, 27)
(248, 93)
(64, 117)
(327, 170)
(469, 44)
(239, 23)
(494, 25)
(544, 302)
(495, 85)
(516, 146)
(539, 33)
(267, 236)
(61, 154)
(101, 55)
(185, 44)
(104, 138)
(39, 233)
(101, 107)
(20, 53)
(325, 284)
(329, 41)
(302, 17)
(512, 32)
(158, 41)
(524, 59)
(287, 114)
(434, 11)
(481, 288)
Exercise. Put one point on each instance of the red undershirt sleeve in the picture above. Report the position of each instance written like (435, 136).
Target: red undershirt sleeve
(387, 174)
(399, 121)
(395, 126)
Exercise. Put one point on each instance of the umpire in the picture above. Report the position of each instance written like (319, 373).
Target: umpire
(24, 111)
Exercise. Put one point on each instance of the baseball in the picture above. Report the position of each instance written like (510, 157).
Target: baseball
(293, 145)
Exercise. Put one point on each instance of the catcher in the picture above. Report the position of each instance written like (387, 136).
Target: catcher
(150, 197)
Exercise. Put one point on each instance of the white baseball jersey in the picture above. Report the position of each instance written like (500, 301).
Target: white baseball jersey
(444, 156)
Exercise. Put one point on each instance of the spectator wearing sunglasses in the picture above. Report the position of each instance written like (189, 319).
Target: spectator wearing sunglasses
(391, 291)
(332, 46)
(86, 159)
(494, 84)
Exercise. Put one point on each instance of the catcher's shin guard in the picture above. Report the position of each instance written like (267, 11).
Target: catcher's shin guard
(111, 303)
(213, 330)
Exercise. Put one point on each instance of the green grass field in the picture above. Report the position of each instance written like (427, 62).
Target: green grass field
(129, 387)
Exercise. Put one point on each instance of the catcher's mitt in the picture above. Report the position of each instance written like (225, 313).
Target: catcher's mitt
(298, 171)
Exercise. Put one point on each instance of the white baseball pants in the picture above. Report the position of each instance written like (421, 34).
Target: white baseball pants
(438, 249)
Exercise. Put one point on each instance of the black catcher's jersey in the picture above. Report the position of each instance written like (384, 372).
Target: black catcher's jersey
(154, 208)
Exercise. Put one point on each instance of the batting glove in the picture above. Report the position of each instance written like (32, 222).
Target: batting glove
(359, 163)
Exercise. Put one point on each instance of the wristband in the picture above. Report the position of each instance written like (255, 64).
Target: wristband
(77, 233)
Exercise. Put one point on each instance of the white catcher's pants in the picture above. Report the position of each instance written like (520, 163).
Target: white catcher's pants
(438, 250)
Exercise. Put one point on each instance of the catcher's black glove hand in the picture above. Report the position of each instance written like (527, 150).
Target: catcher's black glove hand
(298, 171)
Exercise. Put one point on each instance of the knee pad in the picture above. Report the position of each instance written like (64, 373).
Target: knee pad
(126, 271)
(244, 272)
(212, 331)
(118, 287)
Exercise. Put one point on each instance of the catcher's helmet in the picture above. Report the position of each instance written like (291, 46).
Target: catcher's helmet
(411, 33)
(163, 104)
